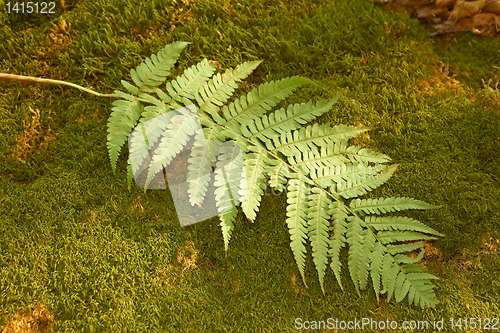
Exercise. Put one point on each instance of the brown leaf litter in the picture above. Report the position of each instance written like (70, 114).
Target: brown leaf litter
(481, 17)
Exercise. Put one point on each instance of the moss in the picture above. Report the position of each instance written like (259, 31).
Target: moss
(100, 258)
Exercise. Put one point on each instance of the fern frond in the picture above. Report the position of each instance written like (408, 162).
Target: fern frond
(421, 290)
(125, 96)
(199, 169)
(296, 213)
(153, 71)
(353, 187)
(361, 243)
(228, 172)
(318, 230)
(376, 263)
(321, 169)
(280, 122)
(399, 223)
(408, 280)
(259, 101)
(315, 136)
(279, 172)
(393, 275)
(220, 87)
(401, 275)
(309, 153)
(175, 137)
(130, 175)
(403, 248)
(354, 172)
(387, 205)
(387, 237)
(153, 111)
(214, 134)
(365, 260)
(255, 163)
(184, 87)
(405, 259)
(337, 239)
(143, 139)
(124, 116)
(226, 222)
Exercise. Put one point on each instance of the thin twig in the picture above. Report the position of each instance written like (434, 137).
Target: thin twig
(14, 77)
(437, 33)
(458, 15)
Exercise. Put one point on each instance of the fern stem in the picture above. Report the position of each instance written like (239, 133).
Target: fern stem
(14, 77)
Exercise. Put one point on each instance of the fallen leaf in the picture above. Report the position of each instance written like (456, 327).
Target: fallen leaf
(484, 24)
(445, 3)
(466, 8)
(429, 11)
(492, 7)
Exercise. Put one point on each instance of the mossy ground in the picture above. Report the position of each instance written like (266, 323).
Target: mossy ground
(93, 256)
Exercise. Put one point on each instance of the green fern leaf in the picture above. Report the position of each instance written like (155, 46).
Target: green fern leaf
(226, 222)
(356, 235)
(175, 137)
(421, 293)
(144, 138)
(321, 169)
(124, 116)
(354, 187)
(353, 172)
(421, 289)
(214, 134)
(259, 101)
(403, 248)
(399, 223)
(318, 230)
(337, 240)
(305, 155)
(255, 163)
(130, 87)
(386, 237)
(125, 96)
(376, 262)
(199, 169)
(130, 175)
(331, 139)
(405, 259)
(402, 287)
(394, 272)
(153, 111)
(228, 176)
(386, 272)
(281, 122)
(296, 213)
(359, 154)
(220, 87)
(387, 205)
(184, 87)
(279, 172)
(364, 266)
(153, 71)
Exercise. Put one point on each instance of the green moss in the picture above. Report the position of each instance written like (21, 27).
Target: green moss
(101, 258)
